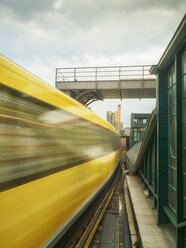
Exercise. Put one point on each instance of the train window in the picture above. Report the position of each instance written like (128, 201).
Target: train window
(38, 139)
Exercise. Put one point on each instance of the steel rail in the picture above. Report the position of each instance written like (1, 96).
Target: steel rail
(98, 73)
(94, 223)
(115, 66)
(111, 75)
(59, 236)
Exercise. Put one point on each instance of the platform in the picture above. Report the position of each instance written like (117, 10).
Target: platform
(151, 235)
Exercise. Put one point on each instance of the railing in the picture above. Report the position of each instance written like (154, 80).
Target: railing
(104, 73)
(146, 162)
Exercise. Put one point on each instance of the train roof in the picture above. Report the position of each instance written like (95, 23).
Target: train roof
(19, 79)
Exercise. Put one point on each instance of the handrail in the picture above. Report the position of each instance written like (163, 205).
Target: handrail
(76, 74)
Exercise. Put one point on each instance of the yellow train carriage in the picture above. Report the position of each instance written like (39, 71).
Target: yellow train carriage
(55, 155)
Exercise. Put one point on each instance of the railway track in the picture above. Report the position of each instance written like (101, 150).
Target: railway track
(104, 223)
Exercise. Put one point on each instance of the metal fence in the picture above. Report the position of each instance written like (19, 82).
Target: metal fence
(103, 73)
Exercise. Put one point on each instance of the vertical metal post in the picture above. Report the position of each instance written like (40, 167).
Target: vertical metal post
(155, 141)
(179, 192)
(162, 145)
(145, 163)
(56, 79)
(74, 74)
(150, 163)
(142, 83)
(143, 72)
(179, 169)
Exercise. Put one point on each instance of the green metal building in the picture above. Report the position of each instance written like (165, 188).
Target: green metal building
(171, 134)
(161, 161)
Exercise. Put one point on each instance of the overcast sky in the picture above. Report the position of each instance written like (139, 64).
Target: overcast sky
(41, 35)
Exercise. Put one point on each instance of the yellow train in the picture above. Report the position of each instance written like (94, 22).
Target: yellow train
(55, 154)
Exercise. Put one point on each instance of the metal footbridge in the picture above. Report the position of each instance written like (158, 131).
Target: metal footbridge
(89, 84)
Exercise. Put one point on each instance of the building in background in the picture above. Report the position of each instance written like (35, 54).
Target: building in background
(138, 123)
(115, 118)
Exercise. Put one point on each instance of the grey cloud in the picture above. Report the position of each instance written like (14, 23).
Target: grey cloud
(89, 12)
(84, 12)
(25, 9)
(85, 31)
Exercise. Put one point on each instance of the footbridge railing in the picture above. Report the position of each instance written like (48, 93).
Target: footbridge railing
(103, 73)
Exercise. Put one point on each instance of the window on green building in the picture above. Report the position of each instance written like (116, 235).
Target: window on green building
(172, 138)
(184, 128)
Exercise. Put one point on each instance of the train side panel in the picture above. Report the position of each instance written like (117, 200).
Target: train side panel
(32, 212)
(55, 154)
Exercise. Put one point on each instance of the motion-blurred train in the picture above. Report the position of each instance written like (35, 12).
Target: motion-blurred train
(55, 154)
